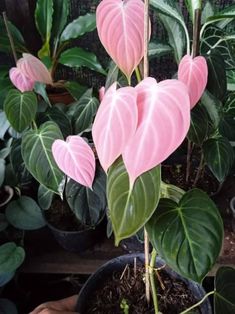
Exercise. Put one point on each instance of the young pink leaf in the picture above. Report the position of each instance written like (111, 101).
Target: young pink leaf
(20, 81)
(193, 73)
(101, 93)
(120, 26)
(164, 119)
(115, 123)
(76, 159)
(34, 69)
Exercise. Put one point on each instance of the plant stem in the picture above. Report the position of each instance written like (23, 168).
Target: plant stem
(138, 75)
(146, 255)
(198, 303)
(196, 32)
(199, 170)
(188, 167)
(152, 280)
(10, 36)
(34, 125)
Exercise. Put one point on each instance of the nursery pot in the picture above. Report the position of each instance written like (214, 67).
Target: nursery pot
(62, 97)
(105, 273)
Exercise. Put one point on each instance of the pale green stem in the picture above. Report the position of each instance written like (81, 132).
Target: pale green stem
(198, 303)
(138, 75)
(34, 125)
(152, 280)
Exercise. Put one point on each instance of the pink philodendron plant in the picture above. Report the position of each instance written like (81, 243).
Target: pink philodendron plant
(193, 72)
(120, 26)
(76, 159)
(28, 71)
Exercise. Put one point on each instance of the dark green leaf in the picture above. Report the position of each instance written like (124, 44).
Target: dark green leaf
(25, 214)
(38, 158)
(227, 122)
(3, 224)
(213, 107)
(80, 26)
(219, 156)
(178, 233)
(75, 89)
(193, 5)
(7, 307)
(5, 86)
(230, 80)
(4, 124)
(78, 57)
(40, 89)
(158, 49)
(207, 11)
(45, 197)
(114, 75)
(60, 16)
(2, 170)
(4, 279)
(229, 10)
(198, 126)
(11, 257)
(88, 205)
(130, 210)
(20, 109)
(224, 298)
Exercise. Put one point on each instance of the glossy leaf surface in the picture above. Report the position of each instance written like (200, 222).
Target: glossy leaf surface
(178, 233)
(60, 16)
(131, 209)
(45, 197)
(37, 155)
(11, 257)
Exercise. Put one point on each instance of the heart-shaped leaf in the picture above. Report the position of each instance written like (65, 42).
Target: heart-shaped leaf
(25, 214)
(213, 107)
(5, 87)
(20, 109)
(120, 26)
(227, 122)
(129, 208)
(219, 156)
(193, 73)
(164, 118)
(115, 123)
(7, 307)
(38, 158)
(199, 126)
(20, 81)
(75, 89)
(224, 298)
(178, 233)
(76, 159)
(45, 197)
(11, 257)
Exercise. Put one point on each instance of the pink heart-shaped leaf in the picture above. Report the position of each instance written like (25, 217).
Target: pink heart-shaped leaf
(34, 69)
(76, 159)
(115, 123)
(120, 26)
(164, 119)
(193, 72)
(20, 81)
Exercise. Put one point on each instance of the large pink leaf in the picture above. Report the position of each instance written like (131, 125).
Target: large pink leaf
(20, 81)
(34, 69)
(120, 26)
(164, 119)
(193, 72)
(115, 123)
(76, 159)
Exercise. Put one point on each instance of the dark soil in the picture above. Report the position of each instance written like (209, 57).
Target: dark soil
(61, 217)
(129, 288)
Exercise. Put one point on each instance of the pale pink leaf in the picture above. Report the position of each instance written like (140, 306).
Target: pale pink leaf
(115, 123)
(101, 93)
(193, 72)
(164, 119)
(76, 159)
(34, 69)
(20, 81)
(120, 26)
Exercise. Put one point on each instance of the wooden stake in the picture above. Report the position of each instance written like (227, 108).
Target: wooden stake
(10, 36)
(196, 32)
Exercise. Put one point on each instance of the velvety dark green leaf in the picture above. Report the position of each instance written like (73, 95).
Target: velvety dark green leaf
(198, 126)
(43, 19)
(228, 10)
(24, 213)
(7, 307)
(11, 257)
(178, 233)
(88, 205)
(78, 57)
(60, 16)
(227, 122)
(213, 107)
(114, 75)
(40, 89)
(45, 197)
(2, 170)
(158, 49)
(5, 86)
(130, 210)
(216, 83)
(175, 34)
(80, 26)
(38, 158)
(75, 89)
(207, 11)
(20, 109)
(224, 298)
(219, 156)
(16, 35)
(193, 5)
(4, 279)
(84, 111)
(56, 115)
(3, 224)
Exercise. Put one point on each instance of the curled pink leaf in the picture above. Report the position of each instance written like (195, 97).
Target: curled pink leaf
(193, 73)
(34, 69)
(164, 119)
(76, 159)
(101, 93)
(120, 26)
(20, 81)
(115, 123)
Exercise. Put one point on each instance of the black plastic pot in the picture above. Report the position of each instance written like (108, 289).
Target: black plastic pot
(79, 241)
(118, 264)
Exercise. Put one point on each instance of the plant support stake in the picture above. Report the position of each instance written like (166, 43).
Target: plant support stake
(10, 36)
